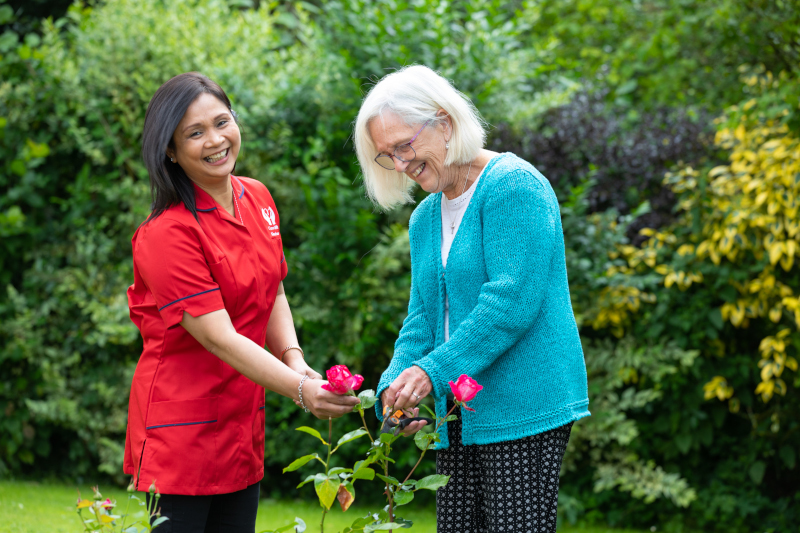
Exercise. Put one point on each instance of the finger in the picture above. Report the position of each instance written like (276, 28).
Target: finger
(406, 398)
(392, 391)
(313, 374)
(413, 427)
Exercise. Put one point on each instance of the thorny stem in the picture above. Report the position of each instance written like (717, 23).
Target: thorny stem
(327, 466)
(427, 445)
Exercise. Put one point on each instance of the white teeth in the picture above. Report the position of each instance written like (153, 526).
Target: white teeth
(419, 170)
(216, 157)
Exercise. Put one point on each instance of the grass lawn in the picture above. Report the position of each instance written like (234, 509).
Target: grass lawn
(28, 507)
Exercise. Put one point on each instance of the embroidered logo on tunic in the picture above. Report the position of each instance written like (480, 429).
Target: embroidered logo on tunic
(269, 216)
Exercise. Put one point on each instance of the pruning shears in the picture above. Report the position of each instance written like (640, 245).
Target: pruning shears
(398, 420)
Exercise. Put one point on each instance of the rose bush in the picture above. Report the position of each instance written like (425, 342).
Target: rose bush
(337, 483)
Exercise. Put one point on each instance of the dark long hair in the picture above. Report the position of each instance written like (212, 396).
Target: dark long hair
(169, 184)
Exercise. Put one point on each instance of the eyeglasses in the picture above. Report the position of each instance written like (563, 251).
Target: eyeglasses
(404, 153)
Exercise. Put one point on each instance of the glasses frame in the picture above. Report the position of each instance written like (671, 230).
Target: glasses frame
(394, 155)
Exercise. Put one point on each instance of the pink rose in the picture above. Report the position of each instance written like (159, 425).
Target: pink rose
(341, 381)
(465, 389)
(108, 504)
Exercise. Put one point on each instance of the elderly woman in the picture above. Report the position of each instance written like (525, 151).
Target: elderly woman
(489, 298)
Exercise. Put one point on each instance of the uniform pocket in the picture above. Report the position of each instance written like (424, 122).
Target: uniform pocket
(181, 449)
(223, 275)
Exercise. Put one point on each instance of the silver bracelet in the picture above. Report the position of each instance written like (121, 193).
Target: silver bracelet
(300, 393)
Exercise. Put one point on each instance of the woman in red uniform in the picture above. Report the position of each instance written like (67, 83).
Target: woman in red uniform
(207, 296)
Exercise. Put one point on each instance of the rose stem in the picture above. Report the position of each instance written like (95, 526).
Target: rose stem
(327, 466)
(426, 448)
(363, 421)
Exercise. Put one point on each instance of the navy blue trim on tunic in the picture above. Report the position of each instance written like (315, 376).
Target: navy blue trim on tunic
(283, 258)
(262, 407)
(240, 185)
(181, 424)
(185, 297)
(205, 210)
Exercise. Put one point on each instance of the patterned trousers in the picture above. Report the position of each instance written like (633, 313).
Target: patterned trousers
(504, 487)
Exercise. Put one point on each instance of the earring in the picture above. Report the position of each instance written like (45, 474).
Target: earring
(172, 159)
(447, 145)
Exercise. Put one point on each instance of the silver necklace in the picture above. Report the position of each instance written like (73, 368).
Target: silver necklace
(446, 206)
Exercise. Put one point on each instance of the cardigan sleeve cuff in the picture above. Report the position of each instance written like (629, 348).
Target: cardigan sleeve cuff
(434, 371)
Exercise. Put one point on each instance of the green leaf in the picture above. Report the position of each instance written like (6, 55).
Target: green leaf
(37, 149)
(6, 14)
(388, 438)
(368, 398)
(430, 412)
(297, 463)
(308, 479)
(338, 470)
(684, 442)
(364, 473)
(363, 464)
(389, 479)
(403, 497)
(432, 482)
(17, 166)
(627, 87)
(160, 521)
(326, 490)
(298, 526)
(359, 523)
(423, 440)
(313, 432)
(406, 524)
(451, 418)
(382, 527)
(757, 470)
(353, 435)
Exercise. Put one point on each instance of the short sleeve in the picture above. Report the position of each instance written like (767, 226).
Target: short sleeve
(170, 259)
(284, 266)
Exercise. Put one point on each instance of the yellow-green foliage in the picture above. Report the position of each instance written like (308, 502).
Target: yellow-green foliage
(743, 216)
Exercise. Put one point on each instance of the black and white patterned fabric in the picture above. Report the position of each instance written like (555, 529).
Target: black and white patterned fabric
(503, 487)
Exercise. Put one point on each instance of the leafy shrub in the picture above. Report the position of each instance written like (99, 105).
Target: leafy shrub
(626, 154)
(725, 285)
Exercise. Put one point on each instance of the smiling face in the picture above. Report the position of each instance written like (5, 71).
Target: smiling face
(206, 141)
(388, 131)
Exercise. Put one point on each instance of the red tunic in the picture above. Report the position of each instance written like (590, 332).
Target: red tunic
(196, 425)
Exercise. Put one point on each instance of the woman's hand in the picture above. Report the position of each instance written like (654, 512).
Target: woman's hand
(410, 387)
(325, 404)
(413, 427)
(294, 360)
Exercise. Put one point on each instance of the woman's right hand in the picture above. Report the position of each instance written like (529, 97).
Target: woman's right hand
(325, 404)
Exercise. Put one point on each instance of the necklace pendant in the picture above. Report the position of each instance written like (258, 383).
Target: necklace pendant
(452, 228)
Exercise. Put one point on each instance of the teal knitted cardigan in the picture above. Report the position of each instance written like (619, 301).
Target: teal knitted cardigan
(511, 320)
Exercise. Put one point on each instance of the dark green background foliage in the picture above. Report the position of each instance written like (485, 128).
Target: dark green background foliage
(604, 96)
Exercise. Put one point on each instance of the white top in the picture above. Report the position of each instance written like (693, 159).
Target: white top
(452, 213)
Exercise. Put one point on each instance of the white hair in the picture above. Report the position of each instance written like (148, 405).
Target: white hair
(415, 94)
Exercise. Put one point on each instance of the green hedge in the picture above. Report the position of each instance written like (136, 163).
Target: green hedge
(72, 100)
